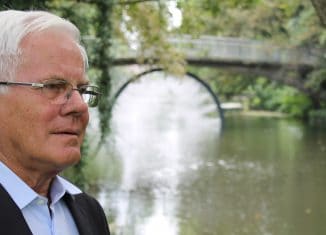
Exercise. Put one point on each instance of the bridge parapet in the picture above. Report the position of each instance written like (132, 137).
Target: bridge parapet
(210, 49)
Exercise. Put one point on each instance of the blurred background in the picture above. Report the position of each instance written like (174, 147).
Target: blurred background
(212, 118)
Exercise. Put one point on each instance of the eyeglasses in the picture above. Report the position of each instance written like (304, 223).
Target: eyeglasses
(58, 91)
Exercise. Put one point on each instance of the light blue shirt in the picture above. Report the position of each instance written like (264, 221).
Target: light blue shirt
(42, 219)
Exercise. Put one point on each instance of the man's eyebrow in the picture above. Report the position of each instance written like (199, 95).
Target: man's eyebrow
(69, 80)
(85, 82)
(55, 77)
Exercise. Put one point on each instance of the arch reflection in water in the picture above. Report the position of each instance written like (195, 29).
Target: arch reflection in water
(161, 125)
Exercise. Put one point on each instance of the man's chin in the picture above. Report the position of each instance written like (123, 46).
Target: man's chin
(68, 157)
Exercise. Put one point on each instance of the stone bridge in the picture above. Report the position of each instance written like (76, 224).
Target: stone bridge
(289, 66)
(223, 51)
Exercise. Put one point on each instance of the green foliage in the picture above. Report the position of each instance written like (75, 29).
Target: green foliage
(279, 20)
(210, 16)
(81, 14)
(225, 84)
(22, 4)
(294, 103)
(102, 60)
(292, 24)
(273, 97)
(145, 25)
(317, 82)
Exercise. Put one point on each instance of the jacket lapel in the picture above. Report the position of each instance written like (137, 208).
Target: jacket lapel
(11, 219)
(78, 213)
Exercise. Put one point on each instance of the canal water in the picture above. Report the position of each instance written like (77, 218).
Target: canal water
(172, 169)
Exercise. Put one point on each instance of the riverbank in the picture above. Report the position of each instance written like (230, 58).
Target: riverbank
(256, 113)
(315, 118)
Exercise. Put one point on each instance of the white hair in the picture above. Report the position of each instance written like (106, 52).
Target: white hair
(16, 25)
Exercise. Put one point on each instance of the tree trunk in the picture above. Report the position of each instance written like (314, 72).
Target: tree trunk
(320, 7)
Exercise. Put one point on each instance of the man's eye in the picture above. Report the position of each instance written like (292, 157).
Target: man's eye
(82, 90)
(55, 87)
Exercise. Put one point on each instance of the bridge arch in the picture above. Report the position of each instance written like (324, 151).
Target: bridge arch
(188, 74)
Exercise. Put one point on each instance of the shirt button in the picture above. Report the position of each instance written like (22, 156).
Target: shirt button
(40, 201)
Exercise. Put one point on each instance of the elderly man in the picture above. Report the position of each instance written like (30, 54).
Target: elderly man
(44, 99)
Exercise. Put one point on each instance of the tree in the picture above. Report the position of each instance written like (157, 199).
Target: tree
(320, 6)
(291, 24)
(145, 23)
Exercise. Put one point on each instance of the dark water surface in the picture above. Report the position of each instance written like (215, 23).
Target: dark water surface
(171, 171)
(262, 176)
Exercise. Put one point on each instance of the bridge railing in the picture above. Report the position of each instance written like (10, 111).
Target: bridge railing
(243, 50)
(223, 49)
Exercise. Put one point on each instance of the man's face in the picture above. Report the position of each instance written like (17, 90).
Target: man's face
(37, 135)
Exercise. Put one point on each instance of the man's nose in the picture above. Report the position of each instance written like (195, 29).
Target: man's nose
(75, 102)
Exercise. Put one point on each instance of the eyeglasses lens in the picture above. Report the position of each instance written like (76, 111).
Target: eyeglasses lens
(60, 91)
(90, 95)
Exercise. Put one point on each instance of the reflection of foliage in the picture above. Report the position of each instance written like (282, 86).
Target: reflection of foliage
(318, 117)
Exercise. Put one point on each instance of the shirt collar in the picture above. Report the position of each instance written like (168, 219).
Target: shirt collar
(22, 194)
(60, 186)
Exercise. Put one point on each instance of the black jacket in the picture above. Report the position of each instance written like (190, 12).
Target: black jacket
(86, 211)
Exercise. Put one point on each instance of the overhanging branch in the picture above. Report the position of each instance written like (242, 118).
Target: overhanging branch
(126, 2)
(320, 7)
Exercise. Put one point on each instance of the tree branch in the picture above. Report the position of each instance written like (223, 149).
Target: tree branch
(122, 2)
(320, 7)
(134, 2)
(125, 2)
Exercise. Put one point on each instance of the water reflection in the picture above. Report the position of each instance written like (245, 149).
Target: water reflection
(179, 176)
(159, 126)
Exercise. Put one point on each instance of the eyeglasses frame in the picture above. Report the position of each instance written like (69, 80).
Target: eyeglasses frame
(39, 85)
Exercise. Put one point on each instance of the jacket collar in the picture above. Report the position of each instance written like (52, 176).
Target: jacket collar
(78, 212)
(12, 220)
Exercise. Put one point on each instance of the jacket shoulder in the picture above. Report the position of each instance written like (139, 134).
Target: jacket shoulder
(87, 209)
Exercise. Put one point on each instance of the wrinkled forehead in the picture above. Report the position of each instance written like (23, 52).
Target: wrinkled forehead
(50, 44)
(50, 54)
